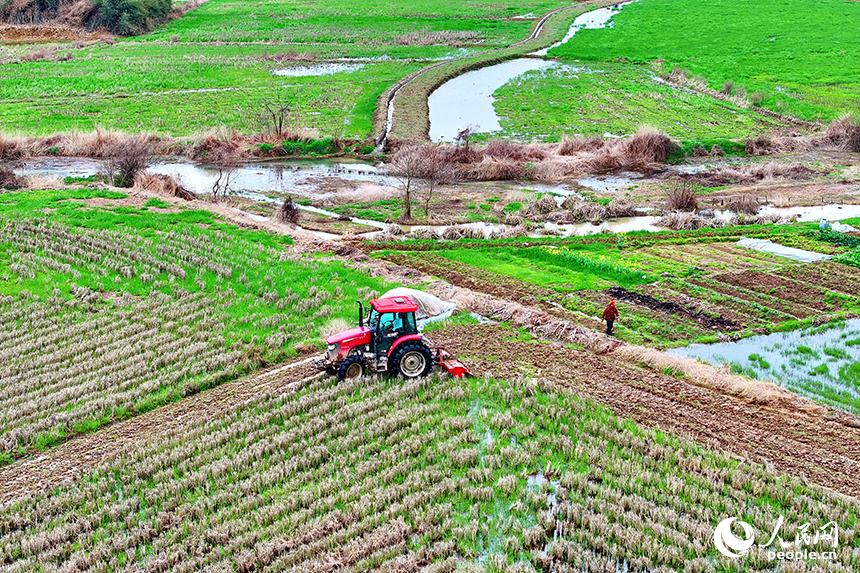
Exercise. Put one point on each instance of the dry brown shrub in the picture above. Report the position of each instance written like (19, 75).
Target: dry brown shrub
(681, 196)
(759, 146)
(571, 146)
(8, 179)
(844, 133)
(212, 147)
(288, 212)
(162, 184)
(648, 145)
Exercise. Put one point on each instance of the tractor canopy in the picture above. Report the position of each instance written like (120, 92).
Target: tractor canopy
(394, 304)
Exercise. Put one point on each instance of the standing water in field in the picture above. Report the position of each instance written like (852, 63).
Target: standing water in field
(822, 362)
(467, 100)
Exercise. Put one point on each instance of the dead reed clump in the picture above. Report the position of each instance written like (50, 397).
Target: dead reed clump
(8, 179)
(619, 207)
(162, 184)
(288, 212)
(747, 203)
(11, 149)
(572, 146)
(648, 145)
(681, 196)
(583, 211)
(491, 169)
(844, 133)
(688, 221)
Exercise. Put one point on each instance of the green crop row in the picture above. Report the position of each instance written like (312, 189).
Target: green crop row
(107, 312)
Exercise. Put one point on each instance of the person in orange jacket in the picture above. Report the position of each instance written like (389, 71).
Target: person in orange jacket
(610, 315)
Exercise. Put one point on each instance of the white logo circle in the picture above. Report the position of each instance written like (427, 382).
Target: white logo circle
(727, 543)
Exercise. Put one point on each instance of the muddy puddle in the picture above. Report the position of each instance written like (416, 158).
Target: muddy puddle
(822, 363)
(303, 178)
(324, 69)
(467, 100)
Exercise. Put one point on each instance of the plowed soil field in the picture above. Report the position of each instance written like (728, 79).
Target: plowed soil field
(823, 449)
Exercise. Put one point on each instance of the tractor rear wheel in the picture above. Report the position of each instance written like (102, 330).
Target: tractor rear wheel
(351, 369)
(412, 359)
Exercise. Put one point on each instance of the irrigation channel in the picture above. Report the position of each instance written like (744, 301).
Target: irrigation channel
(320, 179)
(467, 100)
(821, 362)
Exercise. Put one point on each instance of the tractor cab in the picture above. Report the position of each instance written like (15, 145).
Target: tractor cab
(390, 319)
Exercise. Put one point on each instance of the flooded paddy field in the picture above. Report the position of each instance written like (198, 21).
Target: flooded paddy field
(821, 362)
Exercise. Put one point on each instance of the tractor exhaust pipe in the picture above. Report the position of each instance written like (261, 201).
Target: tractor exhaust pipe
(360, 314)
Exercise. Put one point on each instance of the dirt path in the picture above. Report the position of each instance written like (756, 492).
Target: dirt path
(67, 462)
(823, 449)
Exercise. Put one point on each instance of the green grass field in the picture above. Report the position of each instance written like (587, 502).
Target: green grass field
(153, 82)
(799, 54)
(589, 99)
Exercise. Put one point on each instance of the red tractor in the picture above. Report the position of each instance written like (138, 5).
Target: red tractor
(389, 343)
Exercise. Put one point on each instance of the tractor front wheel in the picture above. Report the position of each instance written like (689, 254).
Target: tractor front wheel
(412, 359)
(351, 369)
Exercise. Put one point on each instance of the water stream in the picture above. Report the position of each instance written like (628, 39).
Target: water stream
(593, 20)
(319, 179)
(467, 100)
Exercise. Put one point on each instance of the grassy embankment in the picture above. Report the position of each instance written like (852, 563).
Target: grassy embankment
(227, 45)
(389, 476)
(791, 57)
(109, 311)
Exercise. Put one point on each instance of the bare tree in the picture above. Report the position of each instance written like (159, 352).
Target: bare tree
(437, 172)
(408, 165)
(226, 168)
(129, 158)
(277, 112)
